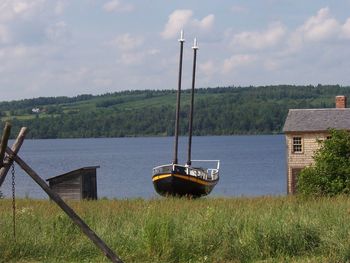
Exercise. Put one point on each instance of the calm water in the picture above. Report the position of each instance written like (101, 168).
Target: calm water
(250, 165)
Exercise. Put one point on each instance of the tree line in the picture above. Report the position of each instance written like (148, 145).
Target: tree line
(218, 111)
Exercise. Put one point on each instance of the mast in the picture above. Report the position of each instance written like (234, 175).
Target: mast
(181, 40)
(195, 48)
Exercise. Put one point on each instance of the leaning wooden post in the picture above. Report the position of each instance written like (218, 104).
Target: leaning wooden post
(69, 211)
(4, 139)
(15, 148)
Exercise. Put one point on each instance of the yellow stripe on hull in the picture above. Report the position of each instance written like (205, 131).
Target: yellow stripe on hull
(158, 177)
(189, 178)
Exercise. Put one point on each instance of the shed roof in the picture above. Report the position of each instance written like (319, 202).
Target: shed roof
(73, 173)
(311, 120)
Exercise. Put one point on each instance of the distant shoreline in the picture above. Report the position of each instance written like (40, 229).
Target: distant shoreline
(217, 111)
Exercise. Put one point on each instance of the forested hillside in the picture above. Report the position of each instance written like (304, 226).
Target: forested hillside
(218, 111)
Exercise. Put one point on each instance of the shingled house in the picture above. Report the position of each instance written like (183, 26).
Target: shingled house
(305, 129)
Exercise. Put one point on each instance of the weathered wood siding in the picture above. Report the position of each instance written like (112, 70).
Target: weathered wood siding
(78, 184)
(89, 186)
(297, 161)
(69, 189)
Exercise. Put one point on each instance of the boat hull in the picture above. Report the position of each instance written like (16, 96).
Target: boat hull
(177, 183)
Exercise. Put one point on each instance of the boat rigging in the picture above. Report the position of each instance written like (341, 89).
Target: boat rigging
(185, 180)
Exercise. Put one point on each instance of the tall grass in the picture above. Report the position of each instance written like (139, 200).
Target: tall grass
(280, 229)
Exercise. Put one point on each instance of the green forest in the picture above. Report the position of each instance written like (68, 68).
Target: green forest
(218, 111)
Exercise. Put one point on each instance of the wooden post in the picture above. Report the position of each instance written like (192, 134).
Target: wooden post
(69, 211)
(4, 140)
(15, 148)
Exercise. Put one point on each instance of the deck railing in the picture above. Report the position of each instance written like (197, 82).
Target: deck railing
(213, 173)
(205, 173)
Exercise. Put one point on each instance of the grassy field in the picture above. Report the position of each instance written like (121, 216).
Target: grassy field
(267, 229)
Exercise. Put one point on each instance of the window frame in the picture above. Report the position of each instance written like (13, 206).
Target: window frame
(294, 144)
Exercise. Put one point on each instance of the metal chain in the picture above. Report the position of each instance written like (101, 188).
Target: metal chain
(13, 200)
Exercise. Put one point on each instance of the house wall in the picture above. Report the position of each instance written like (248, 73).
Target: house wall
(297, 161)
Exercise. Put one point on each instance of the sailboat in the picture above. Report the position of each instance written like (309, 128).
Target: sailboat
(185, 180)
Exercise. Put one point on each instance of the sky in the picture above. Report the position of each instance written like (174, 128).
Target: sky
(67, 48)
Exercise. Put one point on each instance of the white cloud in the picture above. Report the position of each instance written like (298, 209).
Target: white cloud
(205, 24)
(20, 7)
(320, 27)
(15, 52)
(317, 28)
(207, 68)
(179, 19)
(132, 57)
(260, 40)
(346, 29)
(117, 6)
(127, 42)
(295, 42)
(130, 52)
(58, 32)
(12, 9)
(20, 51)
(237, 61)
(59, 8)
(131, 49)
(33, 35)
(5, 36)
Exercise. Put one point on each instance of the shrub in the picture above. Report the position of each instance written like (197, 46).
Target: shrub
(330, 174)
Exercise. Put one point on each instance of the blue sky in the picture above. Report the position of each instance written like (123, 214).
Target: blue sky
(67, 48)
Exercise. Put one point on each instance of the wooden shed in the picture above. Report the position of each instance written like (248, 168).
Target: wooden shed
(78, 184)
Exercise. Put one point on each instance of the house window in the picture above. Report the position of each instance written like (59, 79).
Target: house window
(297, 145)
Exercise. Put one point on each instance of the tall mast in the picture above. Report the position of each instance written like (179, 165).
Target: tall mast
(195, 48)
(181, 40)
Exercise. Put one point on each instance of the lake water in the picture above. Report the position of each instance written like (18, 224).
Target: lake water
(250, 165)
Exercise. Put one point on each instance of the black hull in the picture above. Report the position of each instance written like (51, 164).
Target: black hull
(181, 184)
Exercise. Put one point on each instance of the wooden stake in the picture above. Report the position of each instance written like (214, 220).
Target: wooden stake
(4, 140)
(15, 148)
(69, 211)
